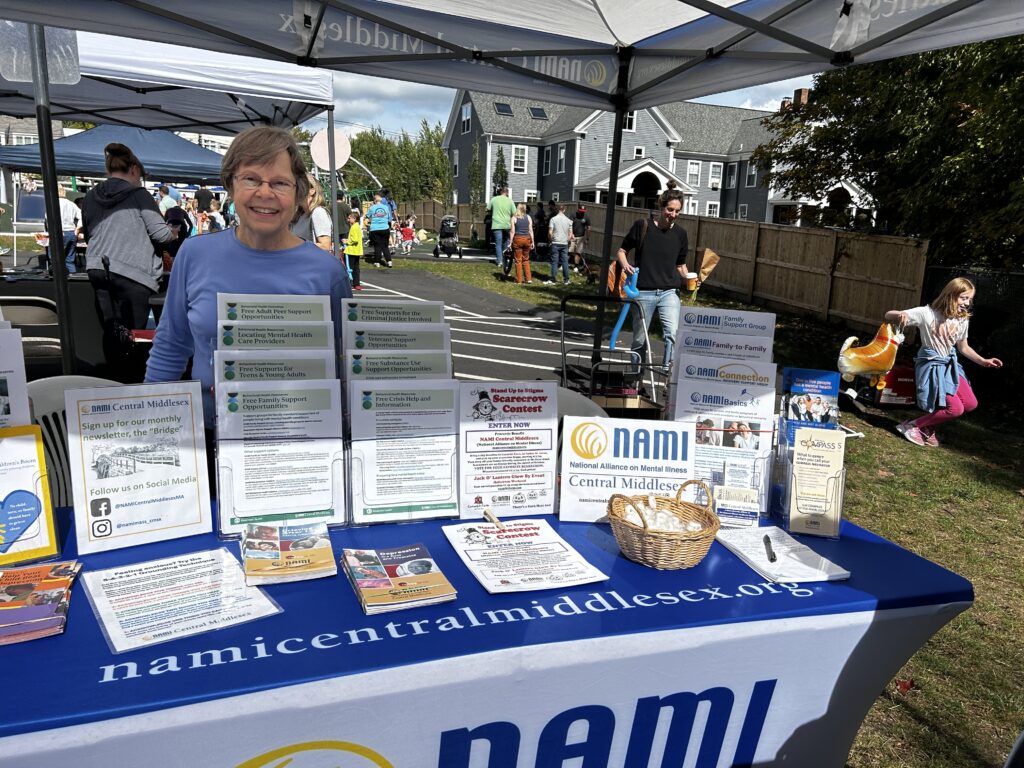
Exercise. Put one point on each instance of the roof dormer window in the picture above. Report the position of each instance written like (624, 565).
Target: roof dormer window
(503, 108)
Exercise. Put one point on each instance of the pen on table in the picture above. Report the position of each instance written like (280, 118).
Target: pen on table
(768, 549)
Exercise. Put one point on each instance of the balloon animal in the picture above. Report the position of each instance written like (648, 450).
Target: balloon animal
(875, 359)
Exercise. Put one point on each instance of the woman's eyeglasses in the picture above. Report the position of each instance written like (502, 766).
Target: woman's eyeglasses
(277, 186)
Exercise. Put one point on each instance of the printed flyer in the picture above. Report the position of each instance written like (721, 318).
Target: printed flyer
(519, 556)
(508, 438)
(635, 457)
(272, 364)
(272, 308)
(710, 343)
(406, 337)
(274, 554)
(138, 464)
(404, 450)
(149, 603)
(253, 334)
(362, 366)
(280, 453)
(731, 321)
(816, 482)
(26, 516)
(734, 425)
(396, 578)
(810, 398)
(392, 311)
(14, 410)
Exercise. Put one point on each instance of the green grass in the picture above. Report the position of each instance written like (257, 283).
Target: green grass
(960, 505)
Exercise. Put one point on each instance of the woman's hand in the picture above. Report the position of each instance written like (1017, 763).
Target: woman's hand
(992, 362)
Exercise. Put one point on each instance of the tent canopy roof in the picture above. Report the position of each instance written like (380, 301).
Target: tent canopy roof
(156, 85)
(667, 50)
(167, 157)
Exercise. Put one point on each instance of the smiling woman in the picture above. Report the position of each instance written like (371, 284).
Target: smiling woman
(264, 174)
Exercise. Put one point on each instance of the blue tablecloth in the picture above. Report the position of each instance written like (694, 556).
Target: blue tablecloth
(56, 681)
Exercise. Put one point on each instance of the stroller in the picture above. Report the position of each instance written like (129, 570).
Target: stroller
(448, 237)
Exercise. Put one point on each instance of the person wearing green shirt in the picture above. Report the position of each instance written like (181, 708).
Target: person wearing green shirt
(502, 209)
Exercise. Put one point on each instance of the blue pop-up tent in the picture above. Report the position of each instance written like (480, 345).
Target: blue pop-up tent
(165, 155)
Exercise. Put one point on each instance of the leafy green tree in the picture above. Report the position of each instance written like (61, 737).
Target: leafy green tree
(302, 138)
(500, 176)
(937, 139)
(476, 184)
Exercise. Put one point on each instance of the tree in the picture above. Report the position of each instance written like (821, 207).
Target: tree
(499, 178)
(476, 183)
(302, 138)
(937, 139)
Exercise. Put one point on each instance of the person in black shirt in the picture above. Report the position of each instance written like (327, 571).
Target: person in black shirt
(661, 258)
(203, 199)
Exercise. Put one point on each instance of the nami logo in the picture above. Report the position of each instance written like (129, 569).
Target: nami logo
(315, 754)
(735, 373)
(595, 73)
(589, 440)
(95, 408)
(695, 318)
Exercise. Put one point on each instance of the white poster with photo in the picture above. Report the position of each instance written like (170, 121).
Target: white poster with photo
(14, 410)
(272, 364)
(280, 453)
(634, 457)
(138, 464)
(358, 309)
(272, 307)
(508, 436)
(404, 450)
(403, 337)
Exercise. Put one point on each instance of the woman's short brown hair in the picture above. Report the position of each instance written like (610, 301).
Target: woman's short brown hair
(119, 159)
(258, 146)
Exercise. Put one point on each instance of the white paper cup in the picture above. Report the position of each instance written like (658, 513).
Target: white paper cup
(691, 281)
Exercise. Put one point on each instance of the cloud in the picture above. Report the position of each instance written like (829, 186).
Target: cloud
(363, 102)
(767, 96)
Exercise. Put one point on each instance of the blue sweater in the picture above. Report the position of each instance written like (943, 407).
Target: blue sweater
(937, 377)
(219, 263)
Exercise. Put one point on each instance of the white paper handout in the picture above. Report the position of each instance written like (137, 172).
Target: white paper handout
(519, 556)
(392, 310)
(508, 434)
(280, 454)
(739, 347)
(150, 603)
(256, 334)
(732, 321)
(272, 364)
(272, 307)
(14, 410)
(816, 482)
(138, 464)
(370, 337)
(394, 364)
(404, 450)
(793, 561)
(601, 457)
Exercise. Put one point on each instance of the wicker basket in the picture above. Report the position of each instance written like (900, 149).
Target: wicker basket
(666, 550)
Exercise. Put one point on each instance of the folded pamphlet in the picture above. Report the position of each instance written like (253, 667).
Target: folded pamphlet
(274, 554)
(34, 600)
(396, 578)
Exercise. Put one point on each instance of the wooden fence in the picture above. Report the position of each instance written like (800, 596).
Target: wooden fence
(846, 277)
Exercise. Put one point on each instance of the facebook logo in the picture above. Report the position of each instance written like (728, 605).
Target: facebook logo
(100, 507)
(101, 528)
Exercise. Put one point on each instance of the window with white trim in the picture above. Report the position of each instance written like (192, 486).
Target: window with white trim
(629, 121)
(638, 153)
(693, 173)
(715, 175)
(560, 167)
(467, 117)
(518, 159)
(554, 196)
(730, 176)
(743, 210)
(691, 206)
(608, 155)
(712, 209)
(547, 160)
(455, 163)
(23, 139)
(751, 174)
(531, 196)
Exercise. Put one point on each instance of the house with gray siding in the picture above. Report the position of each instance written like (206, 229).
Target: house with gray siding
(555, 152)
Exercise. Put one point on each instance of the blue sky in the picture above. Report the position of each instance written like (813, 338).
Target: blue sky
(364, 102)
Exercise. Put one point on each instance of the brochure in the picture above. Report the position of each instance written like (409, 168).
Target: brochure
(272, 365)
(816, 482)
(404, 450)
(138, 464)
(392, 311)
(396, 578)
(274, 554)
(34, 600)
(810, 398)
(254, 334)
(777, 556)
(272, 308)
(390, 364)
(280, 453)
(14, 410)
(508, 438)
(602, 457)
(153, 602)
(405, 337)
(26, 515)
(731, 321)
(710, 343)
(737, 507)
(520, 556)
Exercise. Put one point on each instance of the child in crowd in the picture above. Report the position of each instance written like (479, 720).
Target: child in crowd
(408, 236)
(354, 248)
(942, 388)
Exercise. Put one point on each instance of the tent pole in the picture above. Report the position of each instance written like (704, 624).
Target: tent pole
(621, 107)
(40, 82)
(335, 231)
